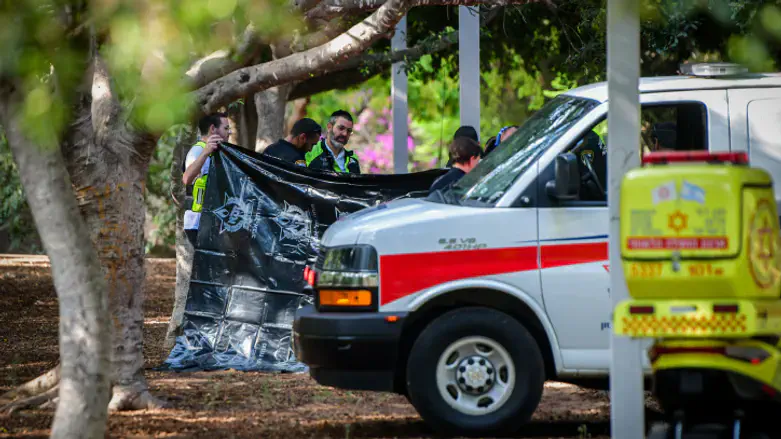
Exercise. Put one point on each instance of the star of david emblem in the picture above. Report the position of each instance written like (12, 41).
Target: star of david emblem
(678, 221)
(235, 214)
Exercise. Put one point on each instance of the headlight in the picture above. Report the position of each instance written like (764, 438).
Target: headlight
(350, 258)
(347, 277)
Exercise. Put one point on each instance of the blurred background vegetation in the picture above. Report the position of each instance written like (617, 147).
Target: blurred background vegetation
(528, 55)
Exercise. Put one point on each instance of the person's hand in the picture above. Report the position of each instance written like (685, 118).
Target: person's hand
(212, 143)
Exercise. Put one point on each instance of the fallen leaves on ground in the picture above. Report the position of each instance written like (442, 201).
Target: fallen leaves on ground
(231, 404)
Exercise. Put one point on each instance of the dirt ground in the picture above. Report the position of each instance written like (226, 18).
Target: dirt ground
(231, 404)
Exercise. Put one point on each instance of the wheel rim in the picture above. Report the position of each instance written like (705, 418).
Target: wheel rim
(475, 375)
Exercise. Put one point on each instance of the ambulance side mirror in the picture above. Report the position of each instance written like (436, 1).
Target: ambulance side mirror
(566, 185)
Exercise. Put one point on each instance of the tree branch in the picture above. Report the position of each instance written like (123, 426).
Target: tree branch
(358, 70)
(222, 62)
(299, 66)
(328, 9)
(331, 30)
(310, 63)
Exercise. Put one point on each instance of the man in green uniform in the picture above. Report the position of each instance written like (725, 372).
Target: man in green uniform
(330, 154)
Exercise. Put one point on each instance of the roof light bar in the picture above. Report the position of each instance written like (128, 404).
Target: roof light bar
(657, 158)
(713, 69)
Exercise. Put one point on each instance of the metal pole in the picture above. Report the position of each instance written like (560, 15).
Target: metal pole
(469, 66)
(627, 416)
(400, 107)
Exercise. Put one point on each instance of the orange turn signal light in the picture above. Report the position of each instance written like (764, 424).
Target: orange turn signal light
(345, 297)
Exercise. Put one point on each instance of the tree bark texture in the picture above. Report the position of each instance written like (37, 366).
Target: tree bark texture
(108, 162)
(84, 328)
(184, 250)
(248, 128)
(270, 105)
(298, 113)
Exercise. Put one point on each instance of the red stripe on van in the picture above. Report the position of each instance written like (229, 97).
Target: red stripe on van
(404, 274)
(560, 255)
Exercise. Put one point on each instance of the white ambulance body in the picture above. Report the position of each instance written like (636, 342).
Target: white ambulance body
(481, 293)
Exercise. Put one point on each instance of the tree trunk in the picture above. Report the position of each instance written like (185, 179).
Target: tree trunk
(108, 162)
(84, 327)
(271, 115)
(298, 113)
(184, 250)
(248, 128)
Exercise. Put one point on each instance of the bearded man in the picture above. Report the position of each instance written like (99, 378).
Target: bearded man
(330, 154)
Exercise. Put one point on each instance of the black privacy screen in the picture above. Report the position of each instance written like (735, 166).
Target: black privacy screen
(260, 225)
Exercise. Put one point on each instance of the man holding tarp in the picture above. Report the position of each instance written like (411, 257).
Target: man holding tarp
(214, 128)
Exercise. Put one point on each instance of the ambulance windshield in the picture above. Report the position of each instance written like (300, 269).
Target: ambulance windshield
(495, 174)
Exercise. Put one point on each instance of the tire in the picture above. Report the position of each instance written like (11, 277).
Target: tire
(468, 331)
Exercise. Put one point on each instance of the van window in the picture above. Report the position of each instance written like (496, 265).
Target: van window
(663, 127)
(494, 175)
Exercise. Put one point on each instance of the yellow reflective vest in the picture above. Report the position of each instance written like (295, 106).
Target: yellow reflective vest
(199, 187)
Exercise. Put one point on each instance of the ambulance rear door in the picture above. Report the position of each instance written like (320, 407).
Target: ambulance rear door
(755, 127)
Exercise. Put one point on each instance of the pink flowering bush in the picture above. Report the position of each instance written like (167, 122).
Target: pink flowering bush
(373, 142)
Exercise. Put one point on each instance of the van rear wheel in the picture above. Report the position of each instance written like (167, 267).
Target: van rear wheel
(475, 371)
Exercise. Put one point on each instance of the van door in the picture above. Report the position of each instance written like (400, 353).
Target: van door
(755, 115)
(573, 234)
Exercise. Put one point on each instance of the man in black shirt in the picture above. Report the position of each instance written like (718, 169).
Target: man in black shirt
(305, 134)
(465, 153)
(463, 131)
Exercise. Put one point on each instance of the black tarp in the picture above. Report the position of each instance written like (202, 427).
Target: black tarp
(260, 225)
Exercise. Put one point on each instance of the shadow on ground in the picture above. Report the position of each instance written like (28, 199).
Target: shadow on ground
(233, 404)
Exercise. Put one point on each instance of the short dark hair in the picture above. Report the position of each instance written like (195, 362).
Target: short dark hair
(210, 119)
(340, 113)
(463, 149)
(306, 126)
(466, 131)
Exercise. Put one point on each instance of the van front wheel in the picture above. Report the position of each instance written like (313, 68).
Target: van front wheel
(475, 371)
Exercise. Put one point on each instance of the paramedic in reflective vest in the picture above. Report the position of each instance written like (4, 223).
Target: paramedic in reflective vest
(466, 154)
(330, 154)
(303, 136)
(214, 129)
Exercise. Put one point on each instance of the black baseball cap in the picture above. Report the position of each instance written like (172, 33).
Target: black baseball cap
(306, 126)
(466, 131)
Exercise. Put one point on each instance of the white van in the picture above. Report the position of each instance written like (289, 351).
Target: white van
(467, 301)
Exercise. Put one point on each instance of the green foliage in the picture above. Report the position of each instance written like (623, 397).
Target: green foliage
(510, 93)
(45, 50)
(529, 54)
(161, 210)
(153, 43)
(16, 220)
